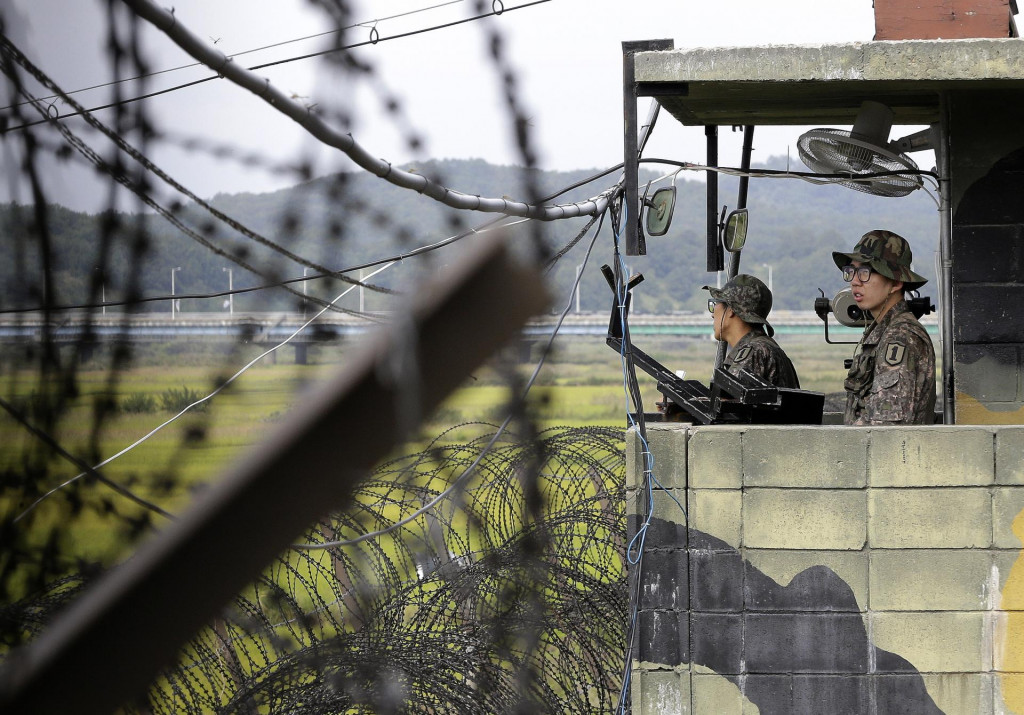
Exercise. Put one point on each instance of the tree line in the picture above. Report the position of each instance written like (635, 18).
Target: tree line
(345, 220)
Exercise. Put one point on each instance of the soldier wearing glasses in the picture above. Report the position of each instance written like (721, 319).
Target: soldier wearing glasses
(892, 379)
(740, 310)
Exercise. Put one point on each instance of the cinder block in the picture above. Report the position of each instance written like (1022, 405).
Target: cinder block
(670, 505)
(961, 692)
(804, 519)
(1007, 517)
(717, 512)
(663, 638)
(931, 456)
(717, 640)
(714, 693)
(1008, 642)
(796, 580)
(940, 642)
(823, 457)
(716, 580)
(634, 458)
(973, 251)
(666, 692)
(770, 693)
(902, 693)
(829, 643)
(1009, 693)
(667, 443)
(978, 322)
(935, 518)
(715, 457)
(930, 580)
(1005, 565)
(665, 580)
(1009, 455)
(987, 372)
(833, 694)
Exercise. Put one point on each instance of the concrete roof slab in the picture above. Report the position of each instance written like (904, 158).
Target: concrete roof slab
(803, 84)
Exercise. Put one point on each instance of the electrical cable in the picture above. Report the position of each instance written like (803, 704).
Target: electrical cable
(631, 389)
(243, 52)
(90, 471)
(224, 384)
(265, 65)
(121, 176)
(330, 136)
(519, 401)
(480, 229)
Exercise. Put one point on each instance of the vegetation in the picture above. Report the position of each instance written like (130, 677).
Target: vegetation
(794, 228)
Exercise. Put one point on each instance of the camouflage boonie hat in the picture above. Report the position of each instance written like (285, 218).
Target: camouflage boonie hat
(887, 253)
(749, 299)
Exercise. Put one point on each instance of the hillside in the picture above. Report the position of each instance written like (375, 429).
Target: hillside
(349, 219)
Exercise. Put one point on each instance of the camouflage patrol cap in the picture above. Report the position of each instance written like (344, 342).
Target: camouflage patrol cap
(887, 253)
(749, 299)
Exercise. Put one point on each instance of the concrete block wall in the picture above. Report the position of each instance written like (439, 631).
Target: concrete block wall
(830, 570)
(987, 162)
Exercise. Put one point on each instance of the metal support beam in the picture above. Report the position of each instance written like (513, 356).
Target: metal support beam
(715, 260)
(635, 244)
(741, 203)
(946, 259)
(141, 613)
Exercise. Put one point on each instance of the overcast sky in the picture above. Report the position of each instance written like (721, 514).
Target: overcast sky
(566, 55)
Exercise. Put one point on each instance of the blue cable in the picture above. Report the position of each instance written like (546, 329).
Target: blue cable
(635, 548)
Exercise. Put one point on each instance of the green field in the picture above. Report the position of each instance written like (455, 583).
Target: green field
(580, 384)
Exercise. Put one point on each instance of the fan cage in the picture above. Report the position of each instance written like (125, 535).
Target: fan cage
(835, 151)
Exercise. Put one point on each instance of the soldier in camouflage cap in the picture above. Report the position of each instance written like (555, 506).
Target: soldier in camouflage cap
(741, 310)
(887, 253)
(892, 378)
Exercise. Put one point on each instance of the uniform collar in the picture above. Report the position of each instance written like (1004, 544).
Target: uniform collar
(874, 330)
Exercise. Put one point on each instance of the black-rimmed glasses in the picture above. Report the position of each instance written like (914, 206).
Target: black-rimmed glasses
(863, 273)
(711, 305)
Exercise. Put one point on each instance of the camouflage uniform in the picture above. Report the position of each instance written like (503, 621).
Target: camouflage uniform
(892, 379)
(761, 356)
(755, 352)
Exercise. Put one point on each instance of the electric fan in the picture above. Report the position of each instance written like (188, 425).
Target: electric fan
(863, 151)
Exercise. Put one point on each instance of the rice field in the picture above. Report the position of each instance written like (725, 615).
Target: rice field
(580, 384)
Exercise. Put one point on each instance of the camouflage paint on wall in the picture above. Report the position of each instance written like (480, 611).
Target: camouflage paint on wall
(798, 648)
(987, 170)
(832, 570)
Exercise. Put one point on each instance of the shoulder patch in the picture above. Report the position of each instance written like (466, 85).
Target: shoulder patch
(741, 354)
(894, 353)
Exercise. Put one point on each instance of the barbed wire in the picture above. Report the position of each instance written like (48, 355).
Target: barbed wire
(505, 594)
(426, 617)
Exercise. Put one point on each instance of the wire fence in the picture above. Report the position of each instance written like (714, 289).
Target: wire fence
(482, 572)
(508, 596)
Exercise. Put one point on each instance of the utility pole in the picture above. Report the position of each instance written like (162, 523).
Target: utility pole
(231, 294)
(173, 300)
(304, 272)
(579, 269)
